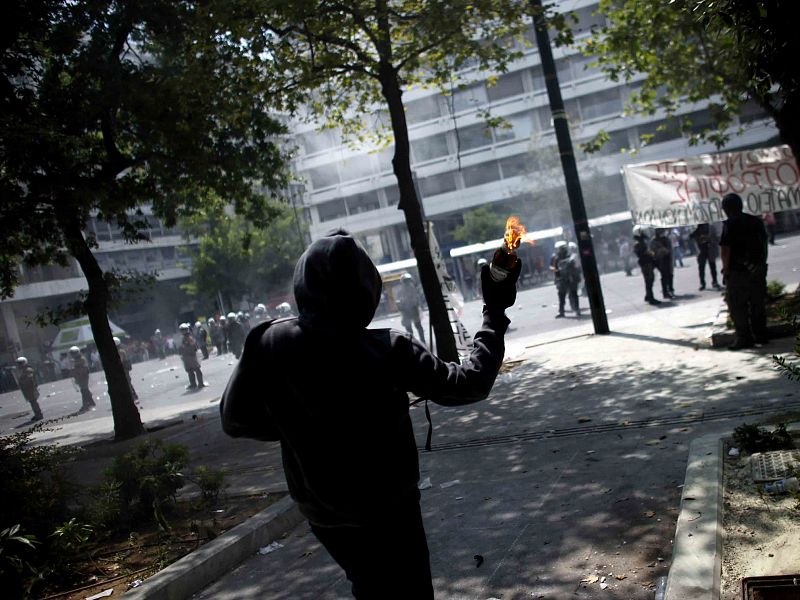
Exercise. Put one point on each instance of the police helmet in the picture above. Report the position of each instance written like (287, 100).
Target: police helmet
(75, 350)
(231, 316)
(22, 361)
(117, 341)
(183, 328)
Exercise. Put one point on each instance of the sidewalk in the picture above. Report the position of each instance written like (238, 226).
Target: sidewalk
(570, 472)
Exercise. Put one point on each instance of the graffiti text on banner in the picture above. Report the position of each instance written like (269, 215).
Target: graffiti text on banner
(688, 191)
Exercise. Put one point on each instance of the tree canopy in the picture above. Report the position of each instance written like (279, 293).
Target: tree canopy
(351, 61)
(724, 52)
(235, 259)
(107, 105)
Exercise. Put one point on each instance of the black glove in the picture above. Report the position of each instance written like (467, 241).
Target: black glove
(499, 295)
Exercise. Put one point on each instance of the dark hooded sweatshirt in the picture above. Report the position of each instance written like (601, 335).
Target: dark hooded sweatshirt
(335, 393)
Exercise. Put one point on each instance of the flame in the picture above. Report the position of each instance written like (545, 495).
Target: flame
(515, 232)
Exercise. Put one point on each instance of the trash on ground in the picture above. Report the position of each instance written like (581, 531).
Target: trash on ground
(103, 594)
(270, 548)
(590, 579)
(650, 514)
(603, 585)
(583, 419)
(782, 486)
(135, 583)
(425, 484)
(448, 484)
(733, 452)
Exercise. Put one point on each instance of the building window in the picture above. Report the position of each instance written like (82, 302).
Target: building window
(469, 98)
(523, 126)
(537, 79)
(474, 136)
(317, 141)
(588, 18)
(438, 184)
(481, 173)
(357, 167)
(581, 68)
(334, 209)
(508, 85)
(514, 166)
(423, 109)
(392, 194)
(362, 203)
(662, 131)
(752, 111)
(600, 104)
(428, 148)
(324, 176)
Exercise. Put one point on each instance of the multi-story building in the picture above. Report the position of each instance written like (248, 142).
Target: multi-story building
(461, 165)
(45, 288)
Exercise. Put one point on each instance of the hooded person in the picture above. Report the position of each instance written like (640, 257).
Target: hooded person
(334, 393)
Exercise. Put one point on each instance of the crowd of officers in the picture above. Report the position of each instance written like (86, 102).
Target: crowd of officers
(225, 334)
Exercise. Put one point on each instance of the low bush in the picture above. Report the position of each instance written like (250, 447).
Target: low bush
(752, 438)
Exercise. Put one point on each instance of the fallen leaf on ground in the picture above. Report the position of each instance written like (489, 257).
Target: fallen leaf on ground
(649, 514)
(590, 579)
(620, 577)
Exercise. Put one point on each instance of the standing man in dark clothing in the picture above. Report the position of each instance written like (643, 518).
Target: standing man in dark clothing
(334, 393)
(80, 373)
(408, 302)
(647, 263)
(567, 276)
(188, 352)
(26, 379)
(235, 335)
(662, 250)
(743, 248)
(703, 237)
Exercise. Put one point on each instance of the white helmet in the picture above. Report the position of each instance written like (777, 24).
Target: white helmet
(560, 244)
(117, 341)
(183, 327)
(211, 321)
(198, 324)
(284, 308)
(260, 309)
(232, 316)
(222, 318)
(406, 277)
(240, 316)
(482, 261)
(573, 247)
(157, 332)
(74, 350)
(639, 231)
(22, 361)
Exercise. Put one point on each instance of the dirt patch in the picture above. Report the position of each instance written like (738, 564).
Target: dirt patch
(127, 557)
(760, 531)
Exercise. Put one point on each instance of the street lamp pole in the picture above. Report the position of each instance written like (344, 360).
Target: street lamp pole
(574, 193)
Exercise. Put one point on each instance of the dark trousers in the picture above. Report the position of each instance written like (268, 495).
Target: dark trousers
(86, 398)
(34, 402)
(746, 295)
(649, 278)
(665, 270)
(195, 377)
(384, 561)
(568, 288)
(702, 258)
(408, 318)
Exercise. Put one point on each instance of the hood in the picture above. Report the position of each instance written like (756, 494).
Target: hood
(336, 284)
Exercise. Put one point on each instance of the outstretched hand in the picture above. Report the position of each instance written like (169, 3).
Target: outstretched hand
(499, 295)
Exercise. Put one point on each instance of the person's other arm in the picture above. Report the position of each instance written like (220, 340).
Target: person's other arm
(451, 383)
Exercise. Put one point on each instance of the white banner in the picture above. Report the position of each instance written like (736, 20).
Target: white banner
(687, 191)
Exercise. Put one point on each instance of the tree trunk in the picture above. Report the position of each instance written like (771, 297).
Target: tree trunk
(410, 205)
(127, 422)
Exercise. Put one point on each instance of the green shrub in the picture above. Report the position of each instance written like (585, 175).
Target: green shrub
(148, 478)
(210, 482)
(34, 495)
(775, 288)
(752, 438)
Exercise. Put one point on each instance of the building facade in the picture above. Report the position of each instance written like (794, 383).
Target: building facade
(460, 164)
